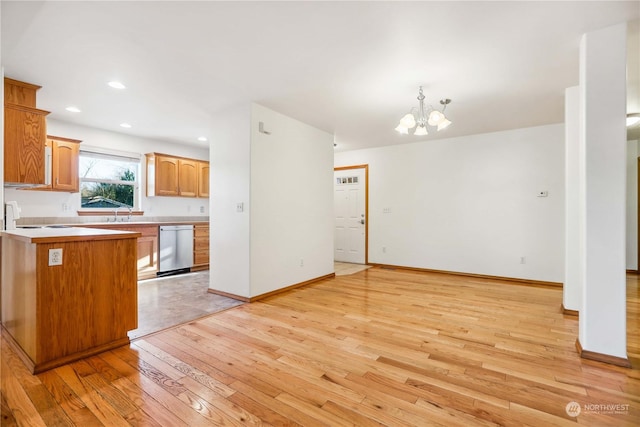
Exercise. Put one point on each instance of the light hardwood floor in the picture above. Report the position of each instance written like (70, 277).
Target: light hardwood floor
(379, 347)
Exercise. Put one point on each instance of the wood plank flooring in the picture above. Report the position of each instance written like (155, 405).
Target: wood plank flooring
(380, 347)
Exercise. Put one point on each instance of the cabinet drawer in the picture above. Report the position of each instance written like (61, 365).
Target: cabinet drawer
(199, 245)
(201, 257)
(201, 231)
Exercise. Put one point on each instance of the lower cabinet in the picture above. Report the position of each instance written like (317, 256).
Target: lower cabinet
(147, 246)
(200, 247)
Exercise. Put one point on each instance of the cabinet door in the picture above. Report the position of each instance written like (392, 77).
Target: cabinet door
(188, 179)
(203, 179)
(25, 133)
(200, 247)
(166, 176)
(64, 167)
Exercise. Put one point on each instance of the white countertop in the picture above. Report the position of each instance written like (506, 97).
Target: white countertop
(47, 235)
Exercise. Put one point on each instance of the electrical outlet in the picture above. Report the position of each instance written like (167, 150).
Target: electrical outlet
(201, 209)
(523, 260)
(240, 207)
(301, 262)
(55, 256)
(384, 249)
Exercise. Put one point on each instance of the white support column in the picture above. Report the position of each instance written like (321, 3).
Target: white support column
(572, 288)
(603, 311)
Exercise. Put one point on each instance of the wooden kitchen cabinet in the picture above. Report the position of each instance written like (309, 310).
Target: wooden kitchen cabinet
(64, 157)
(188, 178)
(25, 132)
(203, 179)
(147, 259)
(56, 314)
(65, 154)
(20, 93)
(172, 175)
(200, 247)
(166, 176)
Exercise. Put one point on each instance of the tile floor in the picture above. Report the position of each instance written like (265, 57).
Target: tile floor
(173, 300)
(343, 268)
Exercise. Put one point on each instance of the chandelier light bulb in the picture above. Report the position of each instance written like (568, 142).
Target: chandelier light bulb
(435, 117)
(444, 124)
(402, 130)
(420, 131)
(408, 121)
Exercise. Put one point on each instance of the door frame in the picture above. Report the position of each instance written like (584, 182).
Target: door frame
(366, 204)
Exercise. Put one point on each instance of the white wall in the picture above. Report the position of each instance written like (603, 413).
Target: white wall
(602, 325)
(284, 181)
(291, 202)
(574, 216)
(230, 160)
(56, 204)
(632, 205)
(469, 204)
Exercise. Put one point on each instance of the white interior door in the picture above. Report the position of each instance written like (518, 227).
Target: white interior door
(350, 221)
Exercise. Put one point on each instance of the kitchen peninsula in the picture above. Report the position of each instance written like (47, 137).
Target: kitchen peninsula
(67, 293)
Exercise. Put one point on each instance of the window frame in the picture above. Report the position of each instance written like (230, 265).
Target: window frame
(107, 154)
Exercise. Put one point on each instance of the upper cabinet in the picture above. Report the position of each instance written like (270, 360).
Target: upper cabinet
(65, 153)
(173, 176)
(203, 179)
(25, 132)
(188, 177)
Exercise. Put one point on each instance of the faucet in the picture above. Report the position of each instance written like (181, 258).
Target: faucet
(130, 211)
(115, 215)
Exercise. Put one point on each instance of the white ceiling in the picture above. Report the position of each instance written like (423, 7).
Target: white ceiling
(349, 68)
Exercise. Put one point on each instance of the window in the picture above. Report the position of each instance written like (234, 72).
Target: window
(109, 181)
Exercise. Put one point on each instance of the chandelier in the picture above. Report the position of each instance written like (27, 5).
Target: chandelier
(421, 117)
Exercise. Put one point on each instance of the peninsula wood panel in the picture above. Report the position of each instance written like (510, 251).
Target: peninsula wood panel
(95, 296)
(147, 246)
(58, 313)
(379, 347)
(19, 302)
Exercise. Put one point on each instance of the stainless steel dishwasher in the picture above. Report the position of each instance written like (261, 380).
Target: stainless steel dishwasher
(176, 249)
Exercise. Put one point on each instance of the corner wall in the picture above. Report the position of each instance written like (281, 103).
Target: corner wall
(230, 182)
(469, 204)
(632, 205)
(283, 233)
(291, 202)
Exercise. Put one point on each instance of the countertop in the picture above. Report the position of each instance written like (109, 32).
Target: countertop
(69, 234)
(111, 224)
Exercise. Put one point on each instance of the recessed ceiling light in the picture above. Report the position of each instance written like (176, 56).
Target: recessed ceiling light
(73, 109)
(116, 85)
(125, 125)
(202, 138)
